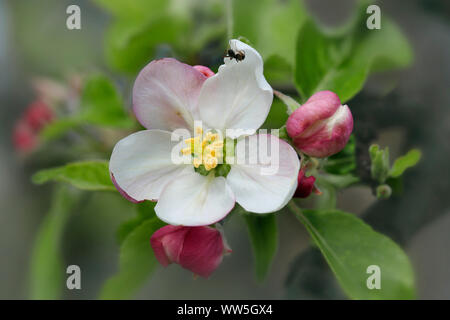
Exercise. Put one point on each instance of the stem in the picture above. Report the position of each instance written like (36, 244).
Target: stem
(229, 14)
(298, 212)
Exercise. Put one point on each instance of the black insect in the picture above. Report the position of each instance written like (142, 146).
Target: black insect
(239, 55)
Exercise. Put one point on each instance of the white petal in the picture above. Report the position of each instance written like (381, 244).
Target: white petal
(195, 200)
(165, 95)
(142, 164)
(265, 187)
(238, 96)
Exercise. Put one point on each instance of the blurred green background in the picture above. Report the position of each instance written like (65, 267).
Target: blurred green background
(406, 108)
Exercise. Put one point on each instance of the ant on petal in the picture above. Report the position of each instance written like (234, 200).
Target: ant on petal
(239, 55)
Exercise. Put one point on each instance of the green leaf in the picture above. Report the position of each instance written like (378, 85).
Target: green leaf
(130, 45)
(137, 262)
(328, 197)
(270, 25)
(89, 175)
(339, 181)
(135, 9)
(350, 246)
(59, 127)
(341, 61)
(290, 103)
(277, 115)
(343, 162)
(263, 234)
(47, 270)
(407, 161)
(145, 211)
(102, 104)
(278, 71)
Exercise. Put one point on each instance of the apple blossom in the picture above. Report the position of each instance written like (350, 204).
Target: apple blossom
(322, 126)
(168, 96)
(198, 249)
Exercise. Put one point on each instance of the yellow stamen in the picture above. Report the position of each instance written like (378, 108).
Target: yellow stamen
(206, 150)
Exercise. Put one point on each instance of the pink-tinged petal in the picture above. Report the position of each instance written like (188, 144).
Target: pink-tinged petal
(165, 95)
(305, 185)
(322, 126)
(237, 96)
(167, 243)
(142, 165)
(264, 186)
(121, 191)
(203, 250)
(195, 200)
(207, 72)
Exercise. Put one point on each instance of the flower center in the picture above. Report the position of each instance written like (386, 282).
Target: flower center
(206, 149)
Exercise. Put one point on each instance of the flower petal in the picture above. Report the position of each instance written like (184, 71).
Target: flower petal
(203, 250)
(238, 96)
(165, 95)
(142, 165)
(195, 200)
(167, 243)
(257, 187)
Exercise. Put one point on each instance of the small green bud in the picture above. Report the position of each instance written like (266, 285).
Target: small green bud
(384, 191)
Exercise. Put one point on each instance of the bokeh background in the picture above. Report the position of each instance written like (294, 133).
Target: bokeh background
(413, 111)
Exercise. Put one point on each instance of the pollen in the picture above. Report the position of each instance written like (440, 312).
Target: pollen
(206, 149)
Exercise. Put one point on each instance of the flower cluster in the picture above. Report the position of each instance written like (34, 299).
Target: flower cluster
(170, 97)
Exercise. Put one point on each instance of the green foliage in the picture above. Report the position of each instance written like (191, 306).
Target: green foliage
(278, 70)
(382, 172)
(328, 198)
(291, 104)
(407, 161)
(350, 247)
(58, 128)
(264, 23)
(136, 260)
(343, 162)
(130, 45)
(277, 115)
(145, 211)
(380, 163)
(263, 232)
(133, 10)
(102, 105)
(341, 61)
(88, 175)
(47, 270)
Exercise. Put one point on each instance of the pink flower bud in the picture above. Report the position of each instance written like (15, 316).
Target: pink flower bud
(38, 114)
(305, 185)
(198, 249)
(205, 70)
(322, 126)
(24, 138)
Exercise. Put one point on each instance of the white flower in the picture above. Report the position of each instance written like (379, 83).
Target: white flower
(170, 95)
